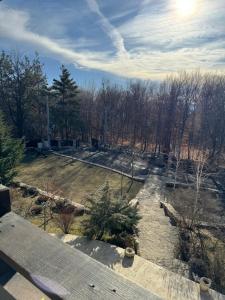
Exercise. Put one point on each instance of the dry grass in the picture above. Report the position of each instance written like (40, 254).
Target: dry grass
(71, 179)
(52, 226)
(211, 208)
(208, 245)
(74, 179)
(21, 205)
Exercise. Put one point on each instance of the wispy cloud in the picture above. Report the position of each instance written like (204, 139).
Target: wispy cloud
(14, 24)
(157, 41)
(110, 30)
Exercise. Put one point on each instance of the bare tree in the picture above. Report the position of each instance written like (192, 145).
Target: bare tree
(65, 221)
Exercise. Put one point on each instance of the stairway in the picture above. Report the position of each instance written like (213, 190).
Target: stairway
(158, 238)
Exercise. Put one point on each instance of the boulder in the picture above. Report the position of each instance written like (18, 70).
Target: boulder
(32, 191)
(41, 199)
(35, 210)
(79, 209)
(59, 205)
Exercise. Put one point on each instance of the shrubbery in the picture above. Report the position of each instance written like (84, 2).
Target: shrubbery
(11, 152)
(110, 216)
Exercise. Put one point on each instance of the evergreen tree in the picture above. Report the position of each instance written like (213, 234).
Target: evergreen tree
(11, 151)
(66, 110)
(110, 215)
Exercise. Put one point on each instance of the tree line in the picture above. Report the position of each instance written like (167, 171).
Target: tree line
(180, 114)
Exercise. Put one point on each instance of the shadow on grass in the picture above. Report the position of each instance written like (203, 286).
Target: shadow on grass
(31, 155)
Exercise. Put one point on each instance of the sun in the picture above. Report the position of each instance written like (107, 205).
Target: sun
(186, 7)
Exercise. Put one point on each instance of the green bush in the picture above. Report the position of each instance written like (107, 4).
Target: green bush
(11, 152)
(109, 216)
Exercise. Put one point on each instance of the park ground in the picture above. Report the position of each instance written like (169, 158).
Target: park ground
(71, 179)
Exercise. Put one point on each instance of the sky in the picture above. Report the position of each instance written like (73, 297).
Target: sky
(117, 40)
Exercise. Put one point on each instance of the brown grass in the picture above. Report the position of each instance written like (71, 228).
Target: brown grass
(74, 179)
(21, 205)
(211, 208)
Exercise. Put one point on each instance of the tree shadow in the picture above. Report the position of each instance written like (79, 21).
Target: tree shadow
(105, 253)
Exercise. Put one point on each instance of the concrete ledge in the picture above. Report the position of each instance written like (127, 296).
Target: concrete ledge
(160, 281)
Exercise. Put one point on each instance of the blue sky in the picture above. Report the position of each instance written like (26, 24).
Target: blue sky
(117, 39)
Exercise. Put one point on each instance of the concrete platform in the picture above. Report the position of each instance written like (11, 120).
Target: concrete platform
(160, 281)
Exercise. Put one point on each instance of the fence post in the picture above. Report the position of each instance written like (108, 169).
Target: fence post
(5, 203)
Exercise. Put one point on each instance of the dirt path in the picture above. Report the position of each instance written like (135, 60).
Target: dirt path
(158, 238)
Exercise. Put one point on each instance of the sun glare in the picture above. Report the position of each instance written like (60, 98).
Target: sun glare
(186, 7)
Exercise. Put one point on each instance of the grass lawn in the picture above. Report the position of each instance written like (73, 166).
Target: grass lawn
(62, 176)
(71, 179)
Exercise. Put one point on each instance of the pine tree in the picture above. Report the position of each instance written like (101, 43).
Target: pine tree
(11, 152)
(109, 215)
(67, 107)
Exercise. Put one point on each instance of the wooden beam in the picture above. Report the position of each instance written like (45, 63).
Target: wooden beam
(58, 270)
(5, 204)
(4, 295)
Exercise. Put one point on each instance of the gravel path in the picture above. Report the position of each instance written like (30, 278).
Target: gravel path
(158, 238)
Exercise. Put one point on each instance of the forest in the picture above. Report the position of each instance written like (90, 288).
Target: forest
(181, 114)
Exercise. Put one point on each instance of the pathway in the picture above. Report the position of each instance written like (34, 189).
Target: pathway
(158, 238)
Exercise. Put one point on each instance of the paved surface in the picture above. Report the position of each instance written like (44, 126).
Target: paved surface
(158, 238)
(161, 282)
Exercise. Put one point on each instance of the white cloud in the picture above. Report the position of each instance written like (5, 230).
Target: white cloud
(14, 24)
(110, 30)
(156, 43)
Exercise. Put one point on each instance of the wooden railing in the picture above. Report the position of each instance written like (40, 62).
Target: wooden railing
(56, 269)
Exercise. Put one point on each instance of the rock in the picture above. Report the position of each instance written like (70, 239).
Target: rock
(59, 205)
(29, 190)
(79, 209)
(41, 199)
(35, 210)
(32, 191)
(134, 202)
